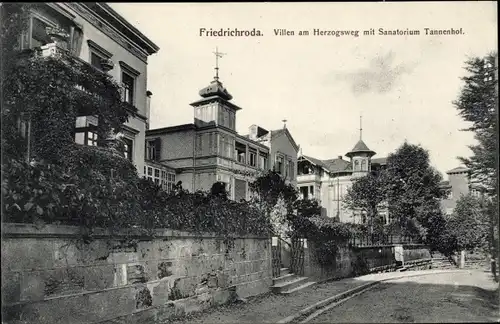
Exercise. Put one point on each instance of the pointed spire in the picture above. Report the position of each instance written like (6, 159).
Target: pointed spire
(360, 127)
(217, 56)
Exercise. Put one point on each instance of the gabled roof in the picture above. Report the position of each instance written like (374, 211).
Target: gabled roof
(337, 165)
(458, 169)
(315, 161)
(279, 132)
(331, 165)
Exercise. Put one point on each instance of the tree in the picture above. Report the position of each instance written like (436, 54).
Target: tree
(477, 104)
(275, 198)
(469, 224)
(368, 195)
(413, 189)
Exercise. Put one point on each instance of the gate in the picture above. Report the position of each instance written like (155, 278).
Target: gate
(276, 256)
(297, 261)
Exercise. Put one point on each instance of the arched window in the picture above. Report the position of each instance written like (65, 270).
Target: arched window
(356, 165)
(364, 166)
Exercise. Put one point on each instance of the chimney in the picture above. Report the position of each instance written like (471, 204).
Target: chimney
(148, 107)
(252, 132)
(340, 157)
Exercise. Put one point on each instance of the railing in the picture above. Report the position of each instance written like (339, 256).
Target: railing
(377, 239)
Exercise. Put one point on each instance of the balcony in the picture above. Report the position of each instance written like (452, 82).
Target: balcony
(56, 51)
(303, 178)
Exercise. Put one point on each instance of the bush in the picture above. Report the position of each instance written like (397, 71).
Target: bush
(46, 193)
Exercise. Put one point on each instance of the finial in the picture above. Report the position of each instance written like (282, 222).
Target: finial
(284, 123)
(360, 127)
(217, 55)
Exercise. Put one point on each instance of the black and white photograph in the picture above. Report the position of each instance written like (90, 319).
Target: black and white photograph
(249, 162)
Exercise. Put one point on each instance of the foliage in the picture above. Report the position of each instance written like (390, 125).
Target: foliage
(413, 189)
(274, 197)
(42, 193)
(219, 190)
(477, 104)
(52, 91)
(469, 224)
(368, 195)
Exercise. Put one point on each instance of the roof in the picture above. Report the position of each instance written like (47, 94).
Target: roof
(279, 132)
(332, 165)
(215, 88)
(338, 165)
(381, 161)
(445, 183)
(115, 19)
(458, 169)
(360, 147)
(176, 128)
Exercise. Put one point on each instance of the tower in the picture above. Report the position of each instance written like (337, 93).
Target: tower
(215, 108)
(360, 155)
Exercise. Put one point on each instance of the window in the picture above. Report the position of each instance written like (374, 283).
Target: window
(161, 176)
(263, 161)
(86, 130)
(363, 166)
(38, 32)
(356, 165)
(128, 143)
(291, 169)
(96, 60)
(252, 158)
(241, 152)
(227, 146)
(153, 149)
(128, 83)
(279, 164)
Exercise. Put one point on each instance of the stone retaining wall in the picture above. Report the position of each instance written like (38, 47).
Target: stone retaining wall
(50, 276)
(352, 261)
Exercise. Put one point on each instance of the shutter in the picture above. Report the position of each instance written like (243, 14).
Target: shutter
(157, 149)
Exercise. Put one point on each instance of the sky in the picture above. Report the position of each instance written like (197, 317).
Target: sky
(402, 86)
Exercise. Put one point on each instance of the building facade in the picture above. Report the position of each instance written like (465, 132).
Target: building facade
(210, 149)
(99, 36)
(327, 181)
(458, 185)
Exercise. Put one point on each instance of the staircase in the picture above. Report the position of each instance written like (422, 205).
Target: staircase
(441, 262)
(288, 283)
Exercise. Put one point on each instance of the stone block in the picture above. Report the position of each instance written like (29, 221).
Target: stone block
(183, 287)
(11, 287)
(29, 255)
(147, 250)
(220, 296)
(32, 285)
(73, 310)
(99, 277)
(160, 291)
(165, 269)
(252, 288)
(66, 253)
(123, 257)
(64, 281)
(166, 249)
(165, 312)
(95, 253)
(120, 275)
(112, 303)
(136, 274)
